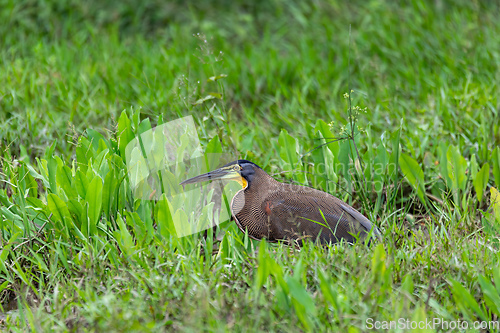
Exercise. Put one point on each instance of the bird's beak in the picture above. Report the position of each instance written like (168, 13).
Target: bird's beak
(222, 173)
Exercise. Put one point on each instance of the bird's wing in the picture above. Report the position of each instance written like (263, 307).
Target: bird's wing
(299, 215)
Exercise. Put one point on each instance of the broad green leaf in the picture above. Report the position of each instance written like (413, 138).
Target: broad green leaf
(95, 137)
(343, 157)
(329, 163)
(378, 262)
(85, 224)
(144, 126)
(495, 203)
(326, 288)
(393, 167)
(213, 153)
(5, 251)
(466, 301)
(496, 165)
(302, 302)
(60, 213)
(289, 154)
(288, 149)
(473, 167)
(144, 213)
(414, 174)
(491, 296)
(496, 278)
(94, 199)
(224, 249)
(27, 184)
(456, 166)
(49, 152)
(481, 180)
(136, 119)
(164, 219)
(300, 293)
(181, 223)
(75, 208)
(419, 316)
(11, 217)
(62, 255)
(52, 172)
(277, 272)
(326, 163)
(35, 204)
(100, 163)
(185, 143)
(205, 219)
(158, 155)
(84, 152)
(443, 164)
(298, 269)
(64, 179)
(367, 170)
(327, 136)
(108, 192)
(124, 133)
(214, 146)
(103, 145)
(124, 238)
(6, 283)
(379, 167)
(263, 269)
(58, 208)
(317, 171)
(407, 284)
(138, 226)
(81, 183)
(330, 151)
(37, 175)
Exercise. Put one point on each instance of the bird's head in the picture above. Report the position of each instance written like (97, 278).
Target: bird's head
(242, 171)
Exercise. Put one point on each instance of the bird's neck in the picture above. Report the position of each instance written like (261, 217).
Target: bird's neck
(259, 181)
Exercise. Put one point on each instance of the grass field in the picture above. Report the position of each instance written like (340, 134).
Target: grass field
(414, 84)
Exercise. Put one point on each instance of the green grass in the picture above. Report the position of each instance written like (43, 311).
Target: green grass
(79, 81)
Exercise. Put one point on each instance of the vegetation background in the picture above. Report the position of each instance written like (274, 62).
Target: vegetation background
(265, 80)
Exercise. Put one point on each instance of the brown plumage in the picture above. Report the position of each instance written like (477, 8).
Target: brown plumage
(266, 208)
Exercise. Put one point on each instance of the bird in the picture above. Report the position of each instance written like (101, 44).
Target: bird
(266, 208)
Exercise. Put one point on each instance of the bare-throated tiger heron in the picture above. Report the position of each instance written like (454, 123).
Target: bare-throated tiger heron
(266, 208)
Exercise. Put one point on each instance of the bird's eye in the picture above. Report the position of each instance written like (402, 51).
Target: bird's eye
(236, 167)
